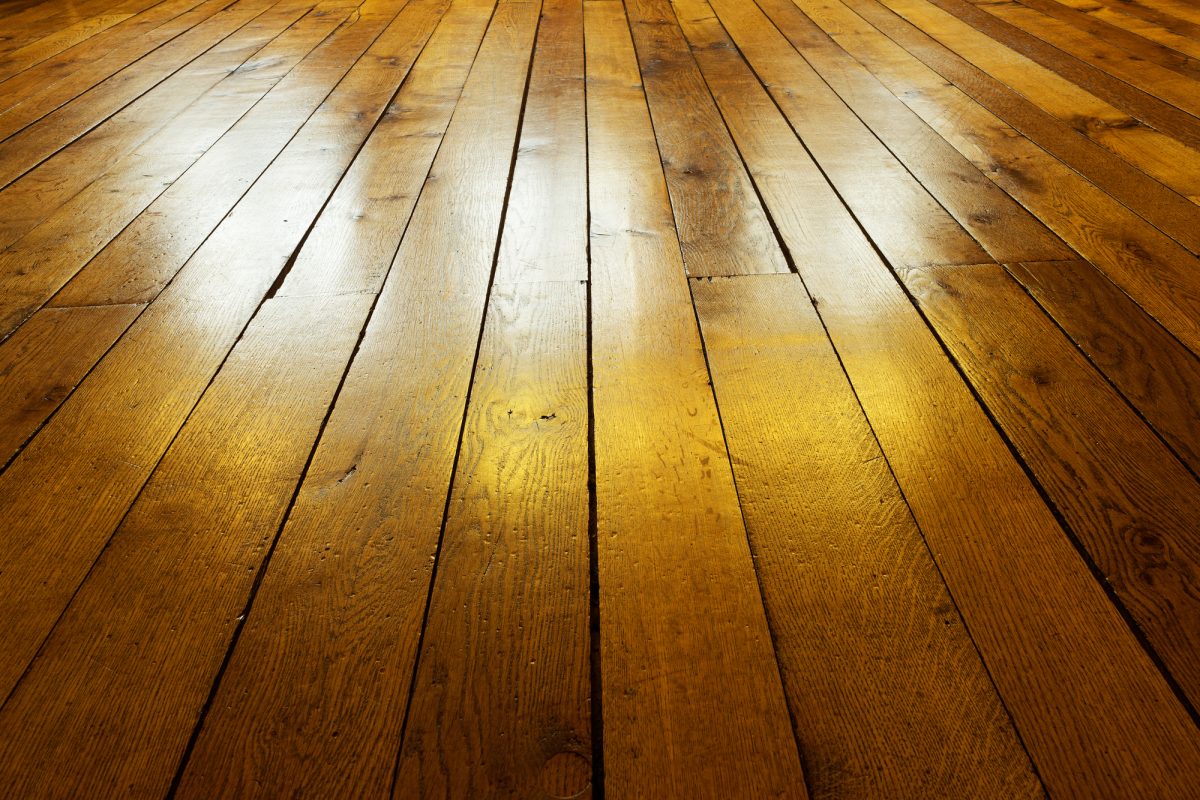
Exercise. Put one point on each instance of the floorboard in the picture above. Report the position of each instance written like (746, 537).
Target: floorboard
(586, 398)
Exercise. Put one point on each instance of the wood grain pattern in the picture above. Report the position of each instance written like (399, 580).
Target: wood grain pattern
(255, 57)
(1159, 273)
(314, 698)
(584, 398)
(902, 70)
(25, 146)
(180, 567)
(1159, 376)
(983, 209)
(833, 540)
(873, 182)
(34, 267)
(151, 379)
(501, 696)
(146, 255)
(684, 644)
(46, 359)
(1130, 134)
(1122, 492)
(989, 550)
(717, 214)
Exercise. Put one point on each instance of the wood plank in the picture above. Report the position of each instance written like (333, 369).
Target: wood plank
(501, 696)
(1175, 24)
(1139, 69)
(500, 703)
(1126, 133)
(267, 402)
(1001, 225)
(1123, 493)
(868, 177)
(28, 145)
(1092, 727)
(181, 115)
(1147, 29)
(26, 26)
(913, 81)
(847, 577)
(39, 90)
(1160, 115)
(313, 699)
(1157, 374)
(147, 254)
(361, 228)
(110, 703)
(1131, 44)
(1153, 269)
(45, 361)
(684, 644)
(150, 381)
(20, 59)
(37, 265)
(721, 224)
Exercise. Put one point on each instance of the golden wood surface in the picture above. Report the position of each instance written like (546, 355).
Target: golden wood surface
(585, 398)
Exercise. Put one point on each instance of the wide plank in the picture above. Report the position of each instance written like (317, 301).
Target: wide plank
(889, 695)
(1120, 724)
(313, 700)
(1128, 500)
(149, 382)
(721, 224)
(684, 645)
(108, 707)
(1157, 374)
(44, 362)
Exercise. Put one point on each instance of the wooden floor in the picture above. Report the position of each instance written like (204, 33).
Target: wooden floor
(585, 398)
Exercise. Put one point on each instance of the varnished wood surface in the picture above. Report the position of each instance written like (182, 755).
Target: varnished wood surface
(600, 398)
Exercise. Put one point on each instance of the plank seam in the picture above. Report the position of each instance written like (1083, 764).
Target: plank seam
(794, 722)
(416, 662)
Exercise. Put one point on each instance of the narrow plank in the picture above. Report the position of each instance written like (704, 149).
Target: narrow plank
(501, 699)
(500, 705)
(1158, 375)
(108, 708)
(1171, 121)
(216, 88)
(149, 252)
(1123, 493)
(263, 401)
(19, 59)
(28, 145)
(26, 26)
(46, 359)
(908, 709)
(1172, 9)
(721, 224)
(1131, 43)
(39, 90)
(34, 267)
(1111, 727)
(1152, 268)
(1175, 24)
(151, 379)
(1001, 225)
(361, 228)
(1137, 66)
(684, 644)
(868, 177)
(908, 71)
(314, 697)
(1127, 20)
(1152, 149)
